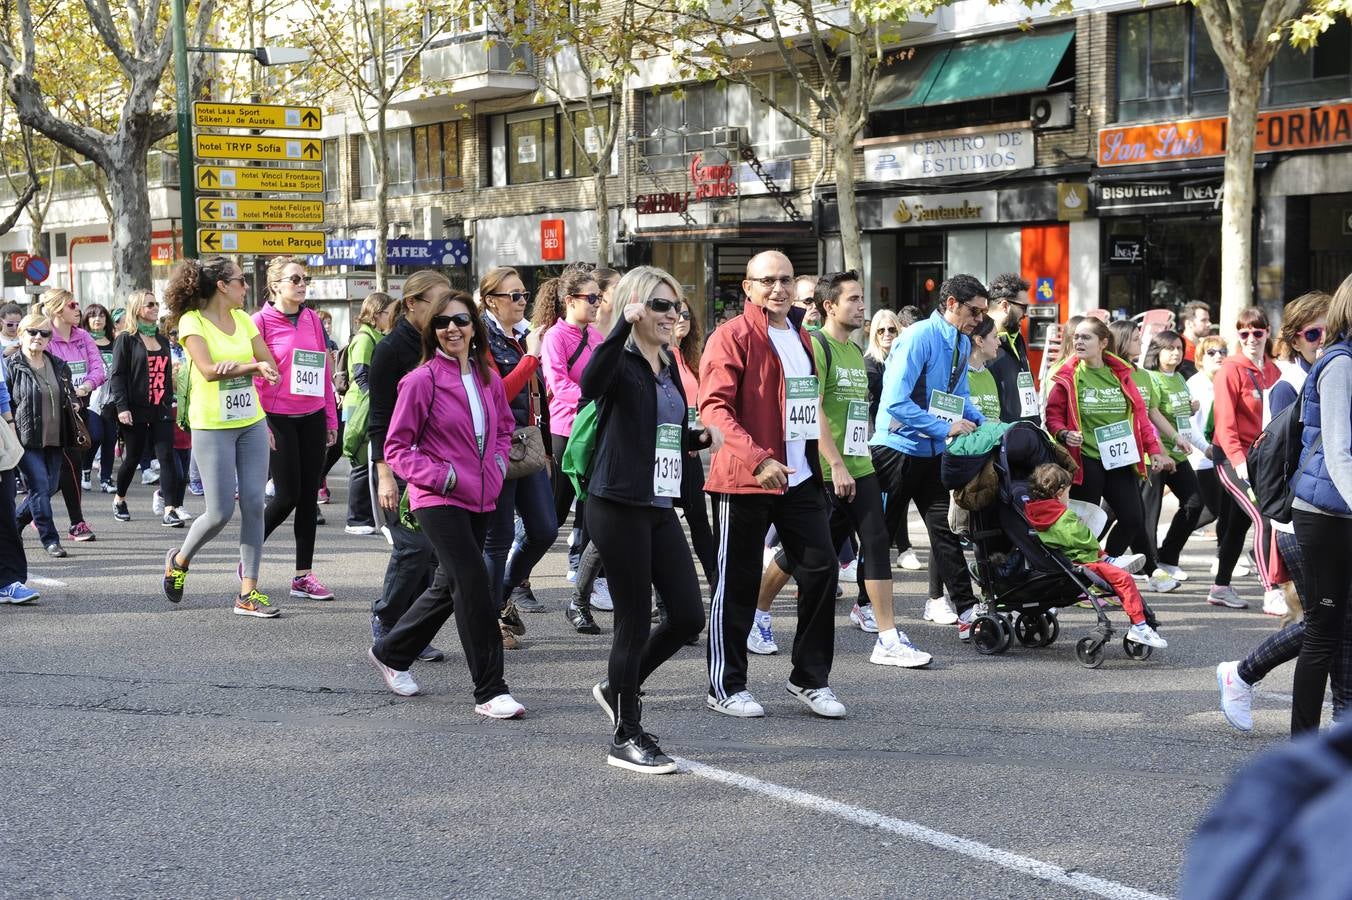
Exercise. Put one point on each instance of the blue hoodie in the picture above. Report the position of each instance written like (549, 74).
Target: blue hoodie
(923, 353)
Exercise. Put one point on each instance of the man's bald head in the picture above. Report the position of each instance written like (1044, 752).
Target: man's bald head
(768, 259)
(769, 284)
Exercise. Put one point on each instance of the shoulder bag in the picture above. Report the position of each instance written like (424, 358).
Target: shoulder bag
(527, 453)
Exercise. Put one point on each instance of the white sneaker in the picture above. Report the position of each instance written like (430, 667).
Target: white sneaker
(150, 476)
(1274, 602)
(571, 576)
(821, 701)
(1174, 572)
(503, 706)
(1224, 595)
(1128, 562)
(183, 513)
(270, 490)
(849, 573)
(965, 624)
(360, 529)
(1236, 696)
(1142, 633)
(863, 617)
(157, 504)
(600, 598)
(909, 561)
(84, 482)
(1160, 582)
(904, 654)
(401, 683)
(740, 705)
(761, 640)
(940, 611)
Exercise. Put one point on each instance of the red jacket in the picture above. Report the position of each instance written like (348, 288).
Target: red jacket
(741, 393)
(1238, 410)
(1063, 412)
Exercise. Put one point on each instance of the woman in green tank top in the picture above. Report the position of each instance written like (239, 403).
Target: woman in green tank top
(980, 382)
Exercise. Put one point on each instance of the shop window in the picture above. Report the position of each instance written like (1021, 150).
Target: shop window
(436, 158)
(399, 165)
(682, 122)
(539, 145)
(1322, 73)
(1166, 66)
(333, 180)
(591, 131)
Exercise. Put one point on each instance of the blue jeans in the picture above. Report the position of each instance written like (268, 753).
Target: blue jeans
(42, 473)
(533, 498)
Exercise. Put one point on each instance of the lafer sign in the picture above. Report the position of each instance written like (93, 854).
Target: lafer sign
(552, 248)
(1278, 130)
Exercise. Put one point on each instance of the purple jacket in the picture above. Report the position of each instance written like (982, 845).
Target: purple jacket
(80, 347)
(431, 443)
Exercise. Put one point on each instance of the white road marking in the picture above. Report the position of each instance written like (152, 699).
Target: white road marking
(921, 834)
(39, 581)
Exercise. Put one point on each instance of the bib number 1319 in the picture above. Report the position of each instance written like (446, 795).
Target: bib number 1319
(800, 408)
(667, 462)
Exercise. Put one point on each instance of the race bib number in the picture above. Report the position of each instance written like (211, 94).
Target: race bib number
(78, 370)
(947, 407)
(692, 418)
(1028, 400)
(1117, 445)
(307, 373)
(238, 400)
(801, 396)
(1184, 426)
(856, 429)
(667, 462)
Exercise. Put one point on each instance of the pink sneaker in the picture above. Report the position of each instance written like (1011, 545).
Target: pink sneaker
(81, 532)
(307, 586)
(324, 495)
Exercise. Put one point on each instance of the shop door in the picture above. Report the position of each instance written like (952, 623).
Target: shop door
(1125, 290)
(920, 285)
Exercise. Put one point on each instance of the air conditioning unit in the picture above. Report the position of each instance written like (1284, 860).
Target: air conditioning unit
(1050, 111)
(728, 137)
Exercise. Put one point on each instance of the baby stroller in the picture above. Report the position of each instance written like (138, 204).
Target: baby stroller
(1023, 581)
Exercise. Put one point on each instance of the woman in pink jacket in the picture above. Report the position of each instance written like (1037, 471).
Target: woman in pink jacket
(302, 422)
(76, 348)
(449, 437)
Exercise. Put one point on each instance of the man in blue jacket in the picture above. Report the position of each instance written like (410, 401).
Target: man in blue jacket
(925, 401)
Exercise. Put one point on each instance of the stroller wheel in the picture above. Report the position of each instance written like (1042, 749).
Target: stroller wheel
(1089, 651)
(1138, 652)
(1007, 631)
(1053, 631)
(988, 635)
(1030, 630)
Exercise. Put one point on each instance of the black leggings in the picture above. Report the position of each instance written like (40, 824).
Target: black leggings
(642, 548)
(695, 505)
(563, 499)
(863, 516)
(71, 457)
(1183, 482)
(297, 468)
(1122, 489)
(1326, 544)
(136, 437)
(105, 446)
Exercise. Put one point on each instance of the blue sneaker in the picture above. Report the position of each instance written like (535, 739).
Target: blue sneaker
(18, 593)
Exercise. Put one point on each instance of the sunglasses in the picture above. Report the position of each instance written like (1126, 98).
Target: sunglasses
(976, 312)
(297, 280)
(73, 305)
(1216, 351)
(661, 305)
(685, 315)
(240, 278)
(11, 324)
(515, 296)
(38, 332)
(173, 334)
(887, 329)
(1313, 335)
(460, 320)
(1256, 333)
(593, 299)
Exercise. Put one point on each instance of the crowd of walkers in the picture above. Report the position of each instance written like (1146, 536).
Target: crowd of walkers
(477, 425)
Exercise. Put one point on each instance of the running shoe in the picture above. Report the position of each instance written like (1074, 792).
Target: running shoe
(308, 587)
(172, 519)
(1274, 602)
(1236, 696)
(256, 603)
(18, 593)
(174, 576)
(1174, 572)
(740, 705)
(107, 486)
(525, 599)
(80, 532)
(903, 654)
(1127, 562)
(849, 573)
(761, 640)
(324, 495)
(511, 619)
(270, 490)
(157, 504)
(1160, 582)
(605, 698)
(430, 654)
(864, 618)
(965, 624)
(1142, 633)
(84, 481)
(600, 598)
(195, 488)
(909, 561)
(360, 529)
(940, 611)
(640, 754)
(150, 476)
(120, 511)
(1224, 595)
(183, 514)
(503, 706)
(56, 551)
(821, 701)
(509, 641)
(581, 619)
(401, 683)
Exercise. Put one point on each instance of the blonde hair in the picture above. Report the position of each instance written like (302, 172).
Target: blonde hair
(136, 301)
(1339, 320)
(275, 267)
(35, 320)
(55, 300)
(417, 284)
(637, 286)
(372, 306)
(880, 318)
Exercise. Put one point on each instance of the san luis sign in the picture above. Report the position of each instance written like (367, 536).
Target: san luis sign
(1301, 128)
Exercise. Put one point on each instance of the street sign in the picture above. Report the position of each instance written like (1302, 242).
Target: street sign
(269, 242)
(19, 261)
(36, 269)
(290, 212)
(291, 181)
(206, 114)
(226, 146)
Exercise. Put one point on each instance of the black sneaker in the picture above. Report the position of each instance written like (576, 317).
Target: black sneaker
(120, 511)
(605, 698)
(640, 754)
(319, 517)
(525, 599)
(581, 620)
(171, 519)
(431, 654)
(174, 577)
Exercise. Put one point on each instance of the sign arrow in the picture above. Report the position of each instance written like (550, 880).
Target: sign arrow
(310, 118)
(208, 176)
(210, 240)
(311, 150)
(210, 209)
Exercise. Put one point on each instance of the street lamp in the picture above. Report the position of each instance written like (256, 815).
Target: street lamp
(265, 56)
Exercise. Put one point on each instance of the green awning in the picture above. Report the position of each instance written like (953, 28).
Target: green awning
(1018, 63)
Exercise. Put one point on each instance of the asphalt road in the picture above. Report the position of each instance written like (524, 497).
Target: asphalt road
(154, 750)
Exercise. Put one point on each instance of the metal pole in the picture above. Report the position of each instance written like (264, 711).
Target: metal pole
(187, 196)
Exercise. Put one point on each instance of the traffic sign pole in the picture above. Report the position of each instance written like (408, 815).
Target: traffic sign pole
(186, 197)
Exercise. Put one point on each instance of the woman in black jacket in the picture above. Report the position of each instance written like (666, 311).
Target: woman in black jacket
(42, 399)
(642, 435)
(141, 386)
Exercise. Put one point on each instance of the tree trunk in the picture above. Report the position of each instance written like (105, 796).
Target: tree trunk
(382, 163)
(602, 214)
(129, 231)
(843, 150)
(1237, 205)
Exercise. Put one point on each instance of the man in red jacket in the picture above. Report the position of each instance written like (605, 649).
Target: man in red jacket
(758, 386)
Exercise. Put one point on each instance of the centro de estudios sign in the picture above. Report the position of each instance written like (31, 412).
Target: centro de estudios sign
(969, 151)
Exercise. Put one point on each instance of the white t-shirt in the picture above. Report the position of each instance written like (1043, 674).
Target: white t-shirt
(476, 405)
(794, 359)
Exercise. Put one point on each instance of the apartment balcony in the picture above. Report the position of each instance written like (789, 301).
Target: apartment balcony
(471, 67)
(752, 18)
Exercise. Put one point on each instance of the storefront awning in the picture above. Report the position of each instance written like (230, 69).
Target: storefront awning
(989, 67)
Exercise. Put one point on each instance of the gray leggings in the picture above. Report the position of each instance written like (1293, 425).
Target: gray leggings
(228, 457)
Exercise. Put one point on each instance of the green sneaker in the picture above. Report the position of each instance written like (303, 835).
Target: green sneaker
(174, 576)
(256, 603)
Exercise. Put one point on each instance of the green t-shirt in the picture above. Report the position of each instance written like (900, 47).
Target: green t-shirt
(359, 353)
(845, 384)
(229, 402)
(981, 383)
(1175, 402)
(1101, 402)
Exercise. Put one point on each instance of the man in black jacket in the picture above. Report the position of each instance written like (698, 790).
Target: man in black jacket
(1013, 377)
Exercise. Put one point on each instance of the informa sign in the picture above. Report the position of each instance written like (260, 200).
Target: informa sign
(1278, 130)
(290, 181)
(206, 114)
(968, 152)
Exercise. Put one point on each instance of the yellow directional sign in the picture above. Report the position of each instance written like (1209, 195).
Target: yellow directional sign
(256, 115)
(227, 146)
(290, 212)
(268, 242)
(291, 181)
